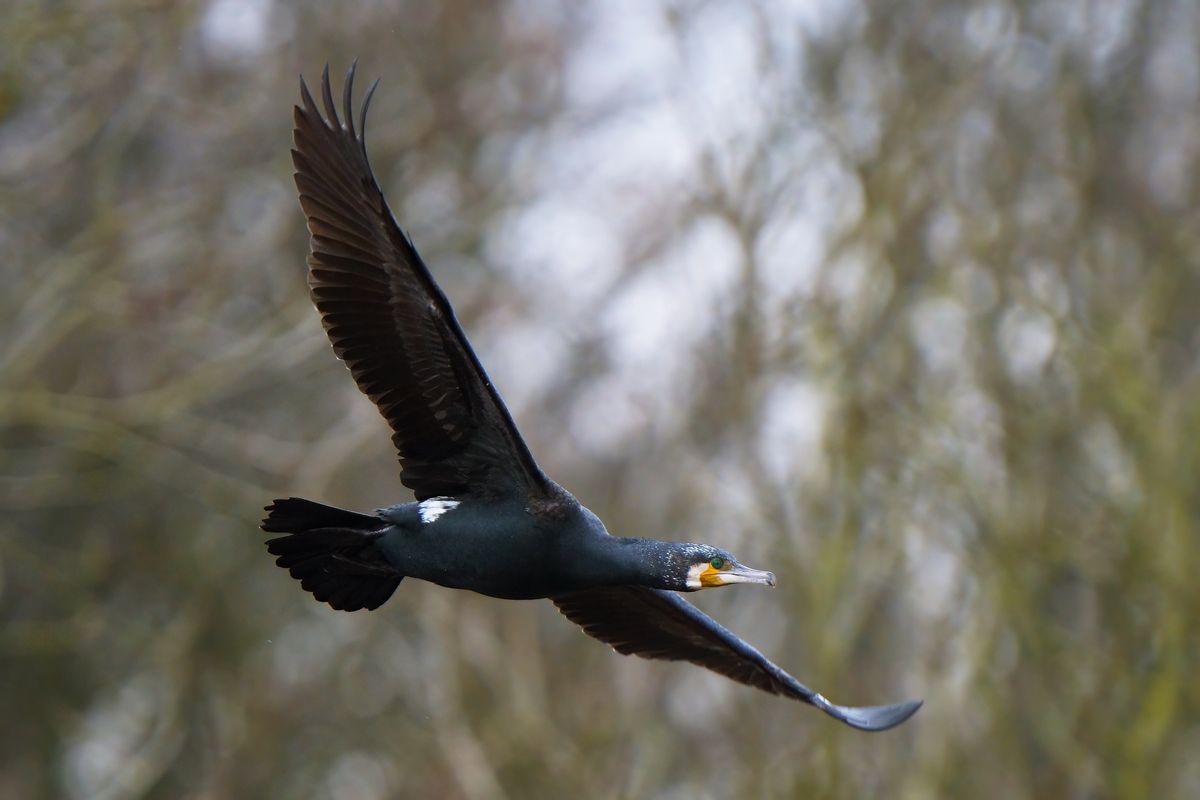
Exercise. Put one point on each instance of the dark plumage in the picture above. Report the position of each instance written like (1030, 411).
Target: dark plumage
(486, 518)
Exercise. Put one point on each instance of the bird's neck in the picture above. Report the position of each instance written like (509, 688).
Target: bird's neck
(618, 560)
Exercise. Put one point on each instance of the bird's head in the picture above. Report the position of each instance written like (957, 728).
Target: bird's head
(709, 567)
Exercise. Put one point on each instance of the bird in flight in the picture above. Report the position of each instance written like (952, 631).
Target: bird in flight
(485, 518)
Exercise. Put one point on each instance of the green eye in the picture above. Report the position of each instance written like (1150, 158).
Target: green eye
(717, 563)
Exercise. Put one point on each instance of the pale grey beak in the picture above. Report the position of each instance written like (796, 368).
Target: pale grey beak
(741, 574)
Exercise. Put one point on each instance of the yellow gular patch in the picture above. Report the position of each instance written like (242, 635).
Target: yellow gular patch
(710, 577)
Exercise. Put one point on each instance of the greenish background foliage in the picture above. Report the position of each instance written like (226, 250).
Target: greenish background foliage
(899, 300)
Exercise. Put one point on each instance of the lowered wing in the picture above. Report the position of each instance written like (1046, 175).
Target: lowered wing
(658, 624)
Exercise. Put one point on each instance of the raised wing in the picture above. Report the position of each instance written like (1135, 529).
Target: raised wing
(391, 323)
(652, 623)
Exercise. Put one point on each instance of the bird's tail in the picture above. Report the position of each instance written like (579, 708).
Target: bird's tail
(332, 552)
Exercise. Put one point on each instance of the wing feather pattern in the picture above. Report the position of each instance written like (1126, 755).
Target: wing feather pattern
(657, 624)
(391, 324)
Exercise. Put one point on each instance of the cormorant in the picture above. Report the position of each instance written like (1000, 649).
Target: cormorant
(486, 518)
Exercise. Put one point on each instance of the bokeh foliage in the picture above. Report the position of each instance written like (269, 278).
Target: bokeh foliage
(899, 300)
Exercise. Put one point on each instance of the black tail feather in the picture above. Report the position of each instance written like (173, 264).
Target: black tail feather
(296, 515)
(332, 552)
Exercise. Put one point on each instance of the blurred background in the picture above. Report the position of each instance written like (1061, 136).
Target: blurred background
(899, 300)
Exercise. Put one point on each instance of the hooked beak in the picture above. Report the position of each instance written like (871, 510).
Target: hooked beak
(738, 574)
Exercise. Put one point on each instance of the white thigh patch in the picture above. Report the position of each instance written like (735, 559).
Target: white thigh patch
(434, 507)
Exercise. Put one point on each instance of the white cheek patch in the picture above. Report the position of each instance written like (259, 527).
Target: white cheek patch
(693, 579)
(434, 507)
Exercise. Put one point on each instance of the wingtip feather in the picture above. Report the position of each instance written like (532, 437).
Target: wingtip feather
(348, 96)
(362, 118)
(306, 97)
(327, 100)
(871, 718)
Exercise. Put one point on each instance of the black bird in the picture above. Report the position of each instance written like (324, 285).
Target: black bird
(486, 518)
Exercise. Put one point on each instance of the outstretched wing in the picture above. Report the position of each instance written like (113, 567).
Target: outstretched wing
(653, 623)
(391, 323)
